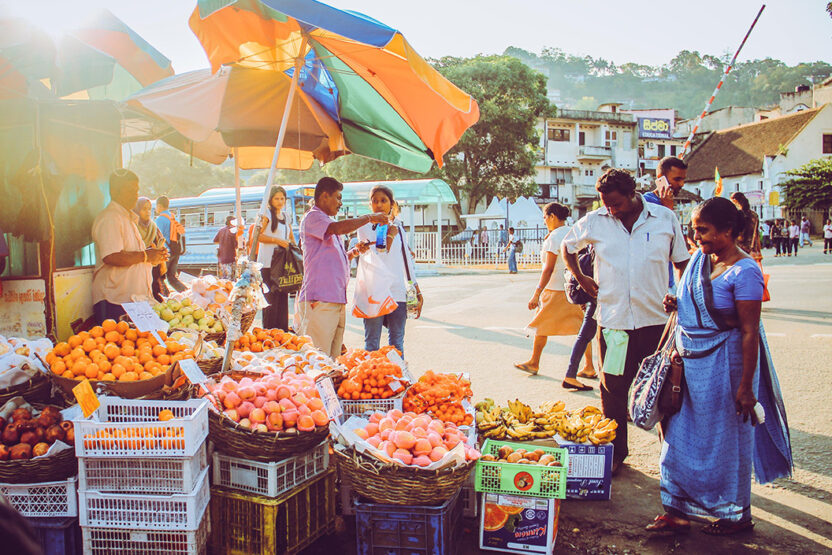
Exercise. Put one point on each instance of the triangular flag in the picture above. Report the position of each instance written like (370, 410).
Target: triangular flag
(718, 181)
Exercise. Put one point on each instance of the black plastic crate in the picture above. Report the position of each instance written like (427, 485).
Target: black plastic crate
(382, 529)
(58, 535)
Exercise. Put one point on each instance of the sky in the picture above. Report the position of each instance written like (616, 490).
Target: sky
(642, 31)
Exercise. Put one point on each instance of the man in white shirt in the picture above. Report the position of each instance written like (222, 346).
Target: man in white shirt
(123, 263)
(634, 241)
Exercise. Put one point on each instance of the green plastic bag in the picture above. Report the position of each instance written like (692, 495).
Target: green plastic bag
(616, 354)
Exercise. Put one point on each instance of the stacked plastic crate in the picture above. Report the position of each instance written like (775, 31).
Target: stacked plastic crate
(52, 511)
(143, 477)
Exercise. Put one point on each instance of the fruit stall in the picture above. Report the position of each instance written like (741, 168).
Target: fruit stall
(185, 428)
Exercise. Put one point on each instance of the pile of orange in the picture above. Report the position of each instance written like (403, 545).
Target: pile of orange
(374, 378)
(114, 351)
(259, 340)
(440, 395)
(136, 438)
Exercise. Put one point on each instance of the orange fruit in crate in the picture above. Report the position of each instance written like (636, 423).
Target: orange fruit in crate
(122, 327)
(165, 415)
(58, 367)
(108, 325)
(494, 518)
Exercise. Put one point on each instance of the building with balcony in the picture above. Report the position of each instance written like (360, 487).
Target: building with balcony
(656, 139)
(576, 147)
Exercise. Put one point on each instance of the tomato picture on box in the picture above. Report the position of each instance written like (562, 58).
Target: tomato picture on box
(515, 524)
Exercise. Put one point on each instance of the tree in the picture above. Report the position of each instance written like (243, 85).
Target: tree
(809, 186)
(359, 168)
(496, 156)
(165, 170)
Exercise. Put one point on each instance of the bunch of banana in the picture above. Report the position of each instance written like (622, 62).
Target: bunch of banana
(490, 421)
(521, 411)
(603, 432)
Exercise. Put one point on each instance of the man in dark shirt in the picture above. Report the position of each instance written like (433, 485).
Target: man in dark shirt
(226, 238)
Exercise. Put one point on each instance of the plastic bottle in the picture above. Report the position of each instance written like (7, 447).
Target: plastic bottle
(381, 236)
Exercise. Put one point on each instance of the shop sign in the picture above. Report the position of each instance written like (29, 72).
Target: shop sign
(654, 128)
(22, 308)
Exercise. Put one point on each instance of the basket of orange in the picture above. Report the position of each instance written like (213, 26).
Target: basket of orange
(117, 359)
(374, 384)
(259, 340)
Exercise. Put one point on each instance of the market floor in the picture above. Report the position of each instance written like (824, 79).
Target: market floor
(475, 323)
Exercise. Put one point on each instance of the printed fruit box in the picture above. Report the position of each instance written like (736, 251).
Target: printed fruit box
(589, 474)
(516, 524)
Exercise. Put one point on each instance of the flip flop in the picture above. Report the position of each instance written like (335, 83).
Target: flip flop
(567, 385)
(526, 368)
(727, 528)
(665, 523)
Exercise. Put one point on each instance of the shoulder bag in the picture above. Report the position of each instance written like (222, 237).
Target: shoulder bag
(657, 388)
(412, 295)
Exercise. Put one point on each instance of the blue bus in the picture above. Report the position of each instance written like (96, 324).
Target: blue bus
(205, 214)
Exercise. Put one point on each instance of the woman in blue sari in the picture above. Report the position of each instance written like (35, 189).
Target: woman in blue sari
(711, 445)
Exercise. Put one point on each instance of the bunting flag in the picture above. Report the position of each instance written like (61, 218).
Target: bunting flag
(718, 181)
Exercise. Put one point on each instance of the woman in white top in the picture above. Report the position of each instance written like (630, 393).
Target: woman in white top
(555, 315)
(275, 231)
(794, 234)
(398, 261)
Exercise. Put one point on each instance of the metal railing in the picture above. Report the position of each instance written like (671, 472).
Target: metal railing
(594, 151)
(596, 116)
(465, 248)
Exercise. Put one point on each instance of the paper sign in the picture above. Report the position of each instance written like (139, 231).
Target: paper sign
(394, 357)
(86, 397)
(395, 386)
(192, 371)
(144, 317)
(330, 399)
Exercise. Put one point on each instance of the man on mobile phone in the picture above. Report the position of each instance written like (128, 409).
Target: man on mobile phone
(670, 178)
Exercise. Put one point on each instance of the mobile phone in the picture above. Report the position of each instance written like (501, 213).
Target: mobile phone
(760, 413)
(662, 183)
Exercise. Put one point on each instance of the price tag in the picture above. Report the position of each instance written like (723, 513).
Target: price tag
(394, 357)
(330, 399)
(192, 372)
(86, 397)
(144, 317)
(396, 386)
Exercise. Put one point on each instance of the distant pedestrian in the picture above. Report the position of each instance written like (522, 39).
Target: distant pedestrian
(776, 239)
(153, 239)
(173, 231)
(555, 315)
(785, 239)
(226, 240)
(765, 231)
(511, 247)
(633, 240)
(827, 237)
(805, 230)
(484, 241)
(794, 235)
(728, 371)
(321, 307)
(503, 237)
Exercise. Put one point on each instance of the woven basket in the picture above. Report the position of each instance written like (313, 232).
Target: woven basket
(210, 365)
(35, 390)
(399, 485)
(43, 469)
(247, 320)
(232, 439)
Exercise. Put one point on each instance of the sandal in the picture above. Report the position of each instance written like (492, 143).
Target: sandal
(526, 368)
(727, 528)
(666, 523)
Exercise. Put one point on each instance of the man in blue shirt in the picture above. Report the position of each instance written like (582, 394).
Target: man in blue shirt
(172, 230)
(674, 172)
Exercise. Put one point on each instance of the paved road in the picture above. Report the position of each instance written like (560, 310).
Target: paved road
(475, 323)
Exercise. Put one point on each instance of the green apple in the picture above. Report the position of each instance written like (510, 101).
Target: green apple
(187, 319)
(217, 327)
(167, 315)
(201, 321)
(199, 314)
(186, 302)
(174, 305)
(186, 310)
(193, 326)
(205, 328)
(174, 323)
(157, 308)
(210, 319)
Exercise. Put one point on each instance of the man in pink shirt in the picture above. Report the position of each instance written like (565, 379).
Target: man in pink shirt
(321, 311)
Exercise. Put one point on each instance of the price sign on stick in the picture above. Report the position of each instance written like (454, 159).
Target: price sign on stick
(86, 397)
(330, 399)
(191, 370)
(145, 319)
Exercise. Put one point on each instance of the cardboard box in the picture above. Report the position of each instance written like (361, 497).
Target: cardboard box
(524, 524)
(590, 471)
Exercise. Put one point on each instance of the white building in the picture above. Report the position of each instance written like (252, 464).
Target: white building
(656, 129)
(753, 158)
(576, 147)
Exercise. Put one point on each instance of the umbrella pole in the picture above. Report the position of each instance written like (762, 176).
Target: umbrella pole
(280, 135)
(238, 203)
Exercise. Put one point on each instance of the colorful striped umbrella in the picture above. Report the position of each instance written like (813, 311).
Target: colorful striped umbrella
(390, 104)
(27, 60)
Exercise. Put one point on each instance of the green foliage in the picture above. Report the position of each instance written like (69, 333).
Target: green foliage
(165, 170)
(809, 186)
(496, 156)
(358, 168)
(684, 83)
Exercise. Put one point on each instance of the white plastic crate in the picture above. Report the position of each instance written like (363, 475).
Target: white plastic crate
(363, 406)
(142, 475)
(45, 499)
(107, 541)
(178, 511)
(273, 478)
(131, 428)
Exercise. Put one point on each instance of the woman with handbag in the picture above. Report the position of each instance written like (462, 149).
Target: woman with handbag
(712, 443)
(275, 232)
(396, 258)
(555, 315)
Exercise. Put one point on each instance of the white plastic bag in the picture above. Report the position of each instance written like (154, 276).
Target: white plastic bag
(373, 297)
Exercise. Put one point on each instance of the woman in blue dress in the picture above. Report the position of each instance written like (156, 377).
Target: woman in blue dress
(711, 445)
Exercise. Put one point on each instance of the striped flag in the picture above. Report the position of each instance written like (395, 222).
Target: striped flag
(718, 181)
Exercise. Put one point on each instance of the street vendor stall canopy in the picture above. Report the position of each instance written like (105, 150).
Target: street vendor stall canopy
(389, 103)
(417, 191)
